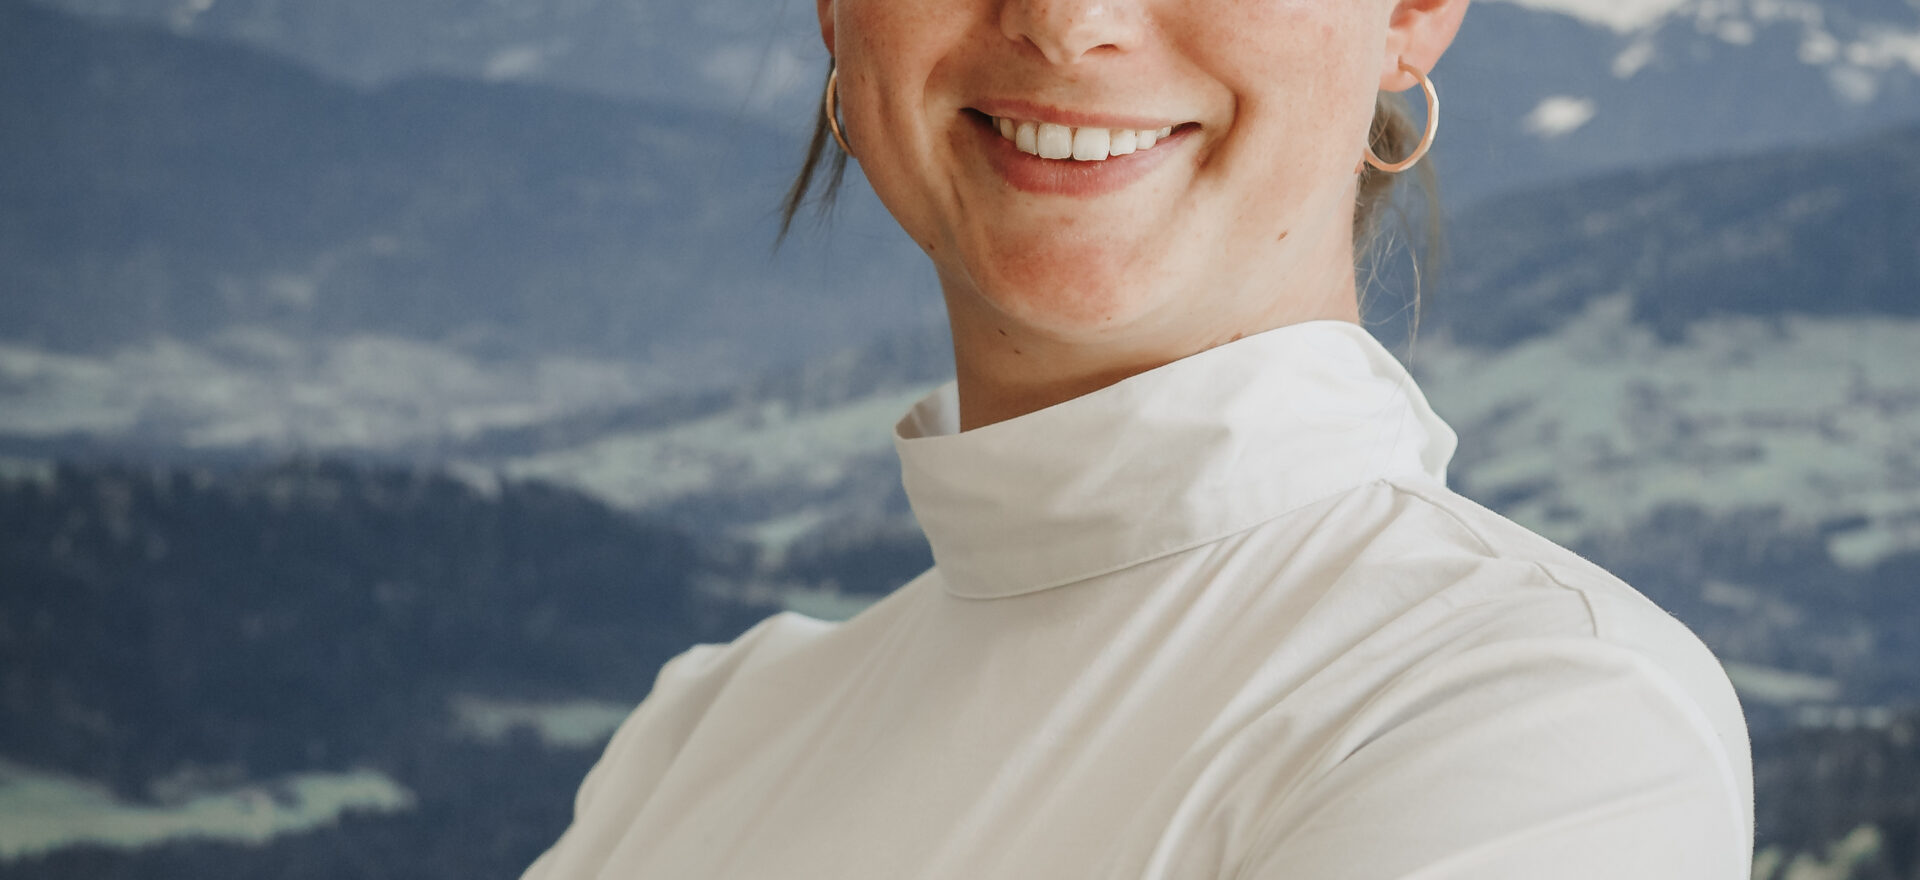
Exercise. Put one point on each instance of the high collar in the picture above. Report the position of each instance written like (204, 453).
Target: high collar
(1170, 459)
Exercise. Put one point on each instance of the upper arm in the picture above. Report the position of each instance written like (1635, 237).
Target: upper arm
(634, 760)
(1563, 758)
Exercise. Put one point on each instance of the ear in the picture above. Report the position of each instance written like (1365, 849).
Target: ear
(826, 23)
(1418, 34)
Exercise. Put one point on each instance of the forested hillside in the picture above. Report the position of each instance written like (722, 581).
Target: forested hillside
(181, 629)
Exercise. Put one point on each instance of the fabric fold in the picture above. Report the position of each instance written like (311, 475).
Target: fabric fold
(1192, 452)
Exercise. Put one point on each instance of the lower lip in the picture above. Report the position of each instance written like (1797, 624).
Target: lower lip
(1067, 177)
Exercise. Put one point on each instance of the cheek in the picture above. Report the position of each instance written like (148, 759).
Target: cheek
(887, 52)
(1303, 79)
(1302, 72)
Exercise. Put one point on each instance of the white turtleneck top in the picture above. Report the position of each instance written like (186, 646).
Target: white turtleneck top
(1220, 621)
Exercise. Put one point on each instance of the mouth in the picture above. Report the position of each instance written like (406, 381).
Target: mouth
(1058, 157)
(1051, 140)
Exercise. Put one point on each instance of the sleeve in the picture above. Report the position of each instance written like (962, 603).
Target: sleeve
(1550, 757)
(637, 757)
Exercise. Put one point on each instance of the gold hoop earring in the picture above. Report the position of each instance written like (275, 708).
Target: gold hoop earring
(1426, 140)
(830, 105)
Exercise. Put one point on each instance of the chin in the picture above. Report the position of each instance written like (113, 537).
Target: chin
(1069, 290)
(1084, 307)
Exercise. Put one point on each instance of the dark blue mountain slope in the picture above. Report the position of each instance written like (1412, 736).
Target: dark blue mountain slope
(157, 185)
(1829, 231)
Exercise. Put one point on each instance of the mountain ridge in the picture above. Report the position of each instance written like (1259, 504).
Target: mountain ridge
(1536, 91)
(1835, 231)
(157, 186)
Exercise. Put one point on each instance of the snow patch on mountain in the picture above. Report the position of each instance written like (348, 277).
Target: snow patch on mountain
(1621, 16)
(1559, 116)
(1883, 48)
(514, 62)
(1780, 687)
(261, 390)
(1591, 429)
(1855, 49)
(1634, 59)
(186, 13)
(41, 812)
(768, 447)
(564, 724)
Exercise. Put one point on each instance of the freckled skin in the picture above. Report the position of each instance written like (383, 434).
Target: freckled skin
(1246, 226)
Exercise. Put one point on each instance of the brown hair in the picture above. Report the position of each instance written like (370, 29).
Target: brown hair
(1393, 135)
(836, 172)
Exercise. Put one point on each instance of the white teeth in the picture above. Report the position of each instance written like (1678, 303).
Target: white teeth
(1026, 138)
(1090, 144)
(1053, 141)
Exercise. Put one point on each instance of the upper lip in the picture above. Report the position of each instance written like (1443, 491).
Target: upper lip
(1027, 111)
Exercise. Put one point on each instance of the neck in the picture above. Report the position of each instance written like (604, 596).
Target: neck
(1004, 369)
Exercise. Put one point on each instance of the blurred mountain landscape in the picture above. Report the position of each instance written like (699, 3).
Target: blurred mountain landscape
(387, 389)
(1536, 90)
(245, 192)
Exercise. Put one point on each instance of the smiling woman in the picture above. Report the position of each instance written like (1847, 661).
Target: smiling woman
(1089, 270)
(1202, 604)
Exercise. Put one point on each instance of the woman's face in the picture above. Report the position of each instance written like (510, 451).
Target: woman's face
(1239, 216)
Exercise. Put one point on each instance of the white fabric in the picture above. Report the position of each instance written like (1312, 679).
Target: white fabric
(1220, 621)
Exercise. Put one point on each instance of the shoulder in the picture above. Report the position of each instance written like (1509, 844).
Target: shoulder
(1527, 609)
(784, 656)
(695, 677)
(646, 744)
(1419, 572)
(1518, 703)
(1521, 757)
(1422, 531)
(1474, 582)
(684, 690)
(1504, 564)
